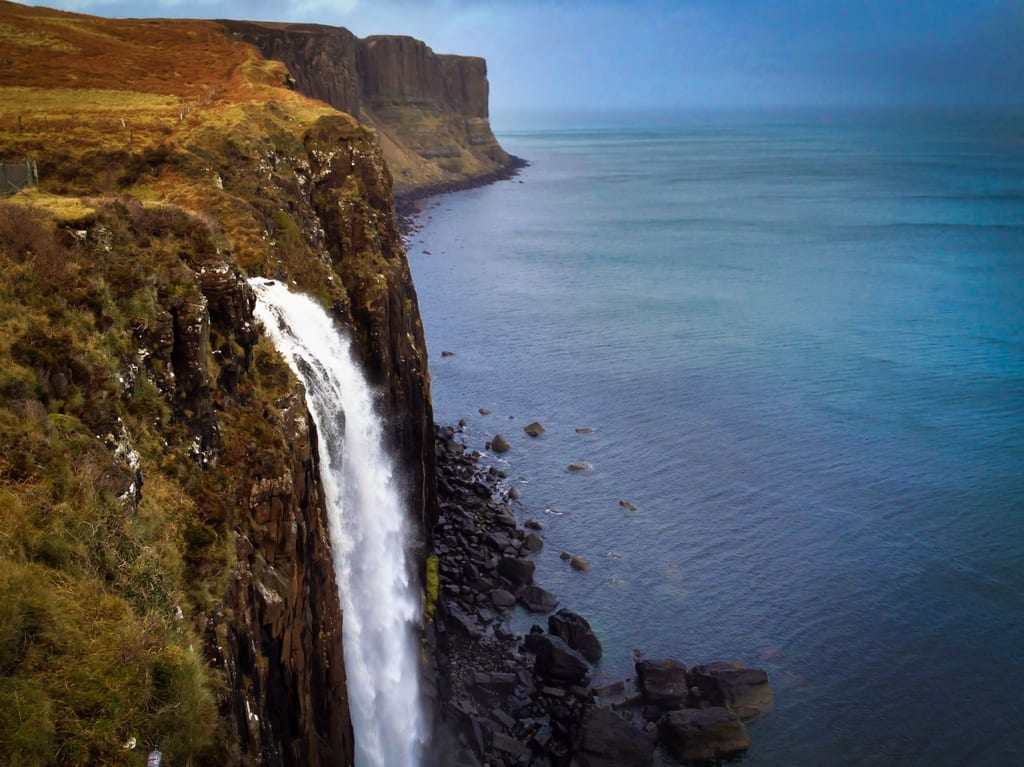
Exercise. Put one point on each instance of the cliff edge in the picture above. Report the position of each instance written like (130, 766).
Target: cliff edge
(429, 111)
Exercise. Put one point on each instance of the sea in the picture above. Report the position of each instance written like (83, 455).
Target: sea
(797, 342)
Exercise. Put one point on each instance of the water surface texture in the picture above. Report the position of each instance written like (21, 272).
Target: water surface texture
(799, 342)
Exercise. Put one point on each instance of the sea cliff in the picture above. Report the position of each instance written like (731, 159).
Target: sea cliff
(166, 573)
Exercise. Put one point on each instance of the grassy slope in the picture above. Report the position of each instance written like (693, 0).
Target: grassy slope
(154, 136)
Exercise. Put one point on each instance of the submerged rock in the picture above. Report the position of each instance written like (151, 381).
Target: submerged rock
(580, 466)
(579, 563)
(533, 542)
(627, 505)
(534, 429)
(743, 690)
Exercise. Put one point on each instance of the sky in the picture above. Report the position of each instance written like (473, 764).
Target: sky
(600, 55)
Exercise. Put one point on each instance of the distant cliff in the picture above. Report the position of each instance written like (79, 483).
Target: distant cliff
(430, 111)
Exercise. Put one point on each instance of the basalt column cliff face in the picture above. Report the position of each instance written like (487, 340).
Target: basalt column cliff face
(430, 111)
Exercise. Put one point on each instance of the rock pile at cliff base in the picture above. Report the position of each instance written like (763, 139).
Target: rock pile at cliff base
(504, 699)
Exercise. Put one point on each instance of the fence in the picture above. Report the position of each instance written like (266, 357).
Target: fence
(15, 176)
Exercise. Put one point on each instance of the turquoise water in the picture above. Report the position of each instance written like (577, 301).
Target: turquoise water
(799, 340)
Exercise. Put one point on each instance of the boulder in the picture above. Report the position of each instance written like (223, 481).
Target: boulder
(559, 663)
(518, 571)
(533, 542)
(502, 598)
(605, 739)
(499, 444)
(703, 734)
(484, 411)
(534, 429)
(533, 524)
(538, 600)
(662, 682)
(743, 690)
(579, 563)
(576, 632)
(579, 466)
(627, 505)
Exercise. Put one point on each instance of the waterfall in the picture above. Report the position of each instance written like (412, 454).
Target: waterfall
(368, 529)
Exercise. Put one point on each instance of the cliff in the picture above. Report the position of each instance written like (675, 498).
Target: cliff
(429, 111)
(166, 578)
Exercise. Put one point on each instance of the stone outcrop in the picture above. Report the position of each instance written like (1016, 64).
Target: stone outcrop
(430, 111)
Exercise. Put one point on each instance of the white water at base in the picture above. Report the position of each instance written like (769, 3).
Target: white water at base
(367, 521)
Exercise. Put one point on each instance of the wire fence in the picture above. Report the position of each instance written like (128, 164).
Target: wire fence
(15, 176)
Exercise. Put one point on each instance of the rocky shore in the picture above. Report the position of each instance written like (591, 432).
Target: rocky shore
(505, 699)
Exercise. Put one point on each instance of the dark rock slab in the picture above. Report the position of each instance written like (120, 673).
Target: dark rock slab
(576, 632)
(703, 734)
(605, 739)
(502, 598)
(558, 662)
(662, 682)
(744, 690)
(537, 600)
(518, 571)
(533, 542)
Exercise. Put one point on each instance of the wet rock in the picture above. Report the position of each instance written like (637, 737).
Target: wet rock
(607, 740)
(584, 430)
(743, 690)
(502, 598)
(533, 524)
(662, 682)
(576, 632)
(444, 353)
(499, 444)
(533, 542)
(579, 466)
(704, 734)
(513, 493)
(627, 505)
(518, 571)
(534, 429)
(537, 600)
(579, 563)
(484, 411)
(558, 662)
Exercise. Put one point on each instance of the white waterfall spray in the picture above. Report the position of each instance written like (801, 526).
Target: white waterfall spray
(367, 527)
